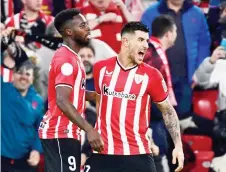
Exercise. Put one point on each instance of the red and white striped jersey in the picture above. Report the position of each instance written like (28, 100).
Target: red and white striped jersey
(7, 74)
(124, 110)
(14, 21)
(66, 69)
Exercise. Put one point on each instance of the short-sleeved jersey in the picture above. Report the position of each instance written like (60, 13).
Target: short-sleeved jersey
(124, 110)
(66, 69)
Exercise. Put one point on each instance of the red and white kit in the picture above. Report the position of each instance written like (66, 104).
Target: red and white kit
(124, 112)
(66, 69)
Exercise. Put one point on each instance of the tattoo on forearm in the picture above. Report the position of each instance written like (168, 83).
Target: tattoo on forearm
(171, 121)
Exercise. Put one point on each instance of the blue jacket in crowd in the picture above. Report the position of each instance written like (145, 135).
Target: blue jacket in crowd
(195, 28)
(20, 119)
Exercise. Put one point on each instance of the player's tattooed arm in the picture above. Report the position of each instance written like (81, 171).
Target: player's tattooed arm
(171, 121)
(90, 95)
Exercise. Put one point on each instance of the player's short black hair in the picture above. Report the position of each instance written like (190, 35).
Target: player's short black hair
(64, 17)
(133, 26)
(161, 25)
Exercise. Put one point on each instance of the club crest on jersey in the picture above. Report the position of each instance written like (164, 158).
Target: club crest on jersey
(113, 93)
(109, 73)
(138, 78)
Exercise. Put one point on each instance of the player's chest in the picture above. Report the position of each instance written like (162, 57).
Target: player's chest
(122, 83)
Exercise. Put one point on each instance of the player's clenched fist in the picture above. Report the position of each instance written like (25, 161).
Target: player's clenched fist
(95, 140)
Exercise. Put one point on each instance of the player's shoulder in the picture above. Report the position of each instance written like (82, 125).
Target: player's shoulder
(106, 62)
(150, 70)
(64, 54)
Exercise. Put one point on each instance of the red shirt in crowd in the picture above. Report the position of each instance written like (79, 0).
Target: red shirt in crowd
(108, 32)
(14, 21)
(7, 74)
(66, 69)
(124, 111)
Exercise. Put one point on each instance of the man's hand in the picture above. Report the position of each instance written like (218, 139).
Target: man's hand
(178, 155)
(172, 124)
(95, 140)
(108, 17)
(154, 149)
(219, 52)
(34, 158)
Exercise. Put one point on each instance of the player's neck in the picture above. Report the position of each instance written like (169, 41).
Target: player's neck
(72, 45)
(125, 60)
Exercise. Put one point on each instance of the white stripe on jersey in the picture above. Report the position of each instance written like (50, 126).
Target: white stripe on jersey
(17, 21)
(57, 126)
(123, 109)
(69, 127)
(101, 77)
(44, 130)
(147, 111)
(6, 75)
(76, 98)
(63, 85)
(109, 108)
(137, 115)
(77, 86)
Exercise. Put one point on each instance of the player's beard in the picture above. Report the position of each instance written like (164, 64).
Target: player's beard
(88, 67)
(82, 42)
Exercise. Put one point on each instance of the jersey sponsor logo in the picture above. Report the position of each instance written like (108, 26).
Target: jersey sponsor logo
(113, 93)
(83, 83)
(67, 69)
(138, 78)
(164, 85)
(42, 125)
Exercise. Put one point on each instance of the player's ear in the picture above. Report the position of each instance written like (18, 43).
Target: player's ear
(125, 41)
(68, 31)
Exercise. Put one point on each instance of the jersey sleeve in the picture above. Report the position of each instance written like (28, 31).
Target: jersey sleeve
(65, 72)
(96, 73)
(157, 87)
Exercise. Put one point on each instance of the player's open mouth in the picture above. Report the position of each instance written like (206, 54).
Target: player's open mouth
(141, 53)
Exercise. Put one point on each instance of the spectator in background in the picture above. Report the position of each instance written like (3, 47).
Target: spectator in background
(192, 45)
(22, 111)
(163, 37)
(11, 54)
(30, 19)
(105, 19)
(210, 74)
(217, 24)
(87, 54)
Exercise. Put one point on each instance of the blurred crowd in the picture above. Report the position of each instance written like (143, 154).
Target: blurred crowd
(192, 59)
